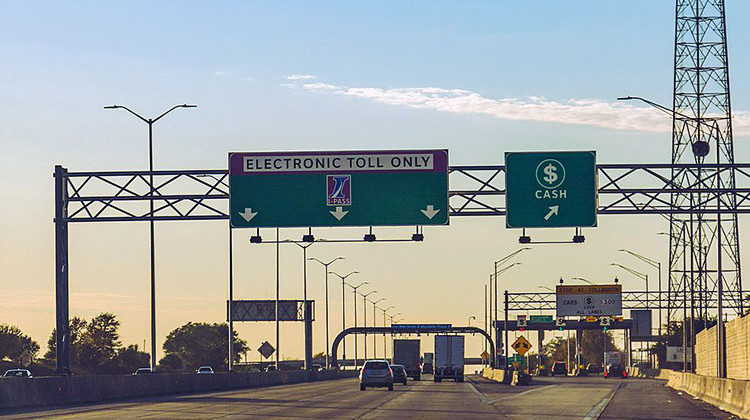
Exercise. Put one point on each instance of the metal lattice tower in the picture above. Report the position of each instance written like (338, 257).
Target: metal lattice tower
(704, 255)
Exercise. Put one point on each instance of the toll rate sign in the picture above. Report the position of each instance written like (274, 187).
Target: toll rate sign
(362, 188)
(550, 189)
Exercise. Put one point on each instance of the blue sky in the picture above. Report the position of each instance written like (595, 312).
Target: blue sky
(468, 76)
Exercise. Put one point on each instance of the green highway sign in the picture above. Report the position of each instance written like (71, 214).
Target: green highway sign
(362, 188)
(540, 318)
(550, 189)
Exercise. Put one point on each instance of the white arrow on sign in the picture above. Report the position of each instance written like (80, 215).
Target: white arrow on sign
(552, 211)
(339, 213)
(248, 214)
(430, 211)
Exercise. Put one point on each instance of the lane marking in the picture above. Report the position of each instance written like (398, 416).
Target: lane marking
(519, 394)
(481, 396)
(598, 409)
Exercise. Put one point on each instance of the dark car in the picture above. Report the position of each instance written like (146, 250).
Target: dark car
(559, 368)
(594, 368)
(376, 373)
(616, 370)
(142, 371)
(271, 368)
(17, 373)
(399, 373)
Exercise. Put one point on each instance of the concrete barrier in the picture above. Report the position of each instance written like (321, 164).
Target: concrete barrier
(499, 375)
(730, 395)
(62, 390)
(636, 372)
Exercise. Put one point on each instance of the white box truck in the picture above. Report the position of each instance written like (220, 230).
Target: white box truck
(449, 357)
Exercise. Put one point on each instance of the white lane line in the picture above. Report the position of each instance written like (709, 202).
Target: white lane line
(481, 396)
(518, 395)
(598, 409)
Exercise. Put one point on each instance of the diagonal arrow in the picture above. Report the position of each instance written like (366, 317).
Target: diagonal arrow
(339, 213)
(430, 211)
(552, 211)
(248, 214)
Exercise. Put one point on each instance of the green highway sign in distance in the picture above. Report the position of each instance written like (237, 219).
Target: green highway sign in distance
(362, 188)
(540, 318)
(550, 189)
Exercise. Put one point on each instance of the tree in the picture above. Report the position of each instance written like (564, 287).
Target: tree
(201, 343)
(77, 327)
(99, 343)
(13, 343)
(129, 358)
(592, 341)
(171, 363)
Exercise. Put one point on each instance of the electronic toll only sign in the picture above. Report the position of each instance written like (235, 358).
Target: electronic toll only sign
(362, 188)
(589, 300)
(550, 189)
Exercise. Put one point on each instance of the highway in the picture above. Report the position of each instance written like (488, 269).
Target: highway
(558, 398)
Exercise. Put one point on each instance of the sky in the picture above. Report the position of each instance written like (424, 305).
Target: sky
(478, 77)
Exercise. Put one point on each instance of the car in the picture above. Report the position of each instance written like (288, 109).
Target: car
(17, 373)
(271, 368)
(205, 369)
(376, 373)
(142, 371)
(315, 368)
(559, 368)
(399, 373)
(594, 368)
(616, 370)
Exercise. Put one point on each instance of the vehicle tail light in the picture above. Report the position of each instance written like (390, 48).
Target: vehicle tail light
(624, 374)
(390, 372)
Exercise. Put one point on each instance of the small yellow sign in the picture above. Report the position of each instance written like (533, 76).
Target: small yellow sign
(521, 345)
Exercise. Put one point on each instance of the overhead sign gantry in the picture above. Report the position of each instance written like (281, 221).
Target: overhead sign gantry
(327, 189)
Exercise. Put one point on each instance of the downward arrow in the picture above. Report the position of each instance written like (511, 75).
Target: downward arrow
(430, 211)
(339, 213)
(552, 211)
(248, 214)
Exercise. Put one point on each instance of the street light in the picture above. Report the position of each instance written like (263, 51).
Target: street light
(364, 316)
(656, 265)
(343, 309)
(374, 336)
(150, 122)
(470, 318)
(505, 324)
(385, 346)
(582, 279)
(354, 302)
(326, 268)
(637, 274)
(547, 288)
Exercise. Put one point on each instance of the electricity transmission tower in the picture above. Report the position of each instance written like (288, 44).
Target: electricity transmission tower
(704, 254)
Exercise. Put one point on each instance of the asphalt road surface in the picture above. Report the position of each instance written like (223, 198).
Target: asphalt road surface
(548, 398)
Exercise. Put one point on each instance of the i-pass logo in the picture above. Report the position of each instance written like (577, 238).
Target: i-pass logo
(339, 191)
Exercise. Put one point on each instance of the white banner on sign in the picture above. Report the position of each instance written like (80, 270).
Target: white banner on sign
(674, 354)
(599, 300)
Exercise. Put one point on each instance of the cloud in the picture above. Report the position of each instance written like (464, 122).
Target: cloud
(301, 77)
(590, 112)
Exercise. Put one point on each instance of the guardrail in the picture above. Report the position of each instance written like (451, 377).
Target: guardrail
(730, 395)
(65, 390)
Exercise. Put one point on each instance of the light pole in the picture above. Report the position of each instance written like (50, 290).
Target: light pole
(470, 318)
(308, 324)
(505, 324)
(493, 310)
(354, 302)
(637, 274)
(374, 336)
(343, 310)
(385, 344)
(656, 265)
(584, 280)
(547, 288)
(364, 315)
(325, 265)
(150, 122)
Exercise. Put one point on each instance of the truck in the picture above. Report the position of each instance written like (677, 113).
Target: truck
(427, 363)
(406, 353)
(449, 358)
(612, 358)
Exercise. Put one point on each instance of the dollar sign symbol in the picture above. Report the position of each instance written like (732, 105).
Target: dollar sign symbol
(550, 172)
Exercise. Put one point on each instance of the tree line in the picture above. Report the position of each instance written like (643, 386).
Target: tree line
(96, 348)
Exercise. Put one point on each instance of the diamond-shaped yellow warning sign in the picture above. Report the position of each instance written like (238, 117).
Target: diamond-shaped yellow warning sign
(521, 345)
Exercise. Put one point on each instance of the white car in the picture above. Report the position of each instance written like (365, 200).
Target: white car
(17, 373)
(205, 369)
